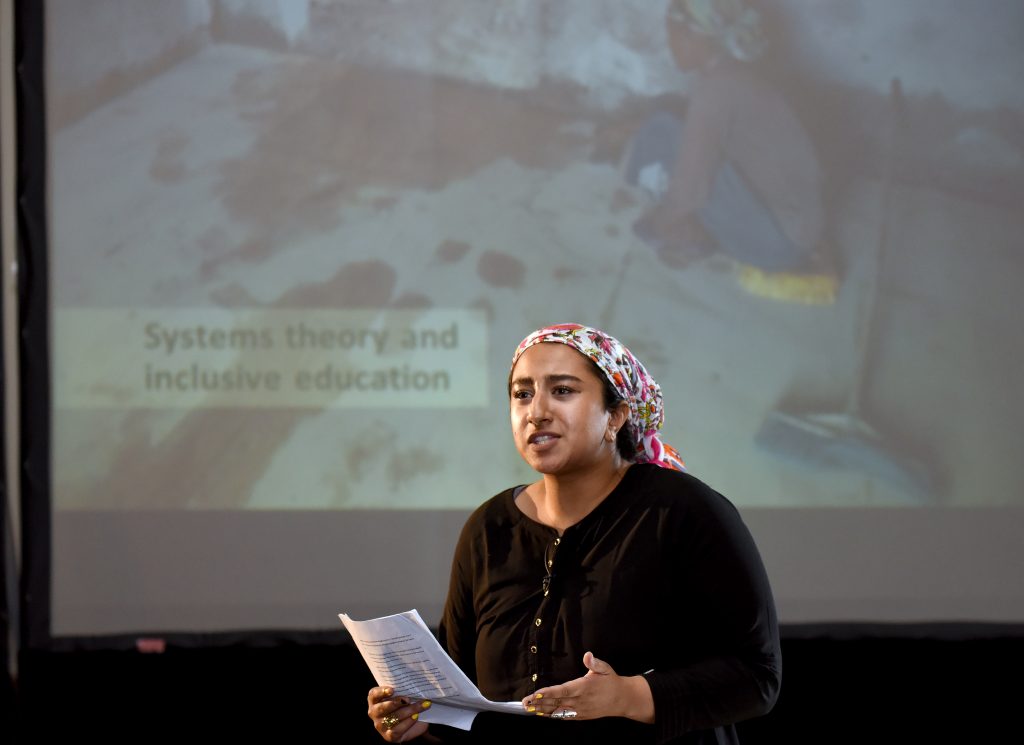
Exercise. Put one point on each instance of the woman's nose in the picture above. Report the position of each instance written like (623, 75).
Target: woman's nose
(538, 411)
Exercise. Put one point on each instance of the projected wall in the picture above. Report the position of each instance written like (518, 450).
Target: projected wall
(293, 246)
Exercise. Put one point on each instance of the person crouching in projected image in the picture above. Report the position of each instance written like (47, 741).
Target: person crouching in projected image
(622, 599)
(738, 175)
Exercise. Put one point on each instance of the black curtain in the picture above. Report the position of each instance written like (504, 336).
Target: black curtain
(7, 702)
(33, 324)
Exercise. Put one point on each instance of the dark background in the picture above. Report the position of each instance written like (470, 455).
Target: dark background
(840, 684)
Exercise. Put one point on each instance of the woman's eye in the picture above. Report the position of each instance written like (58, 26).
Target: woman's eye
(562, 390)
(520, 394)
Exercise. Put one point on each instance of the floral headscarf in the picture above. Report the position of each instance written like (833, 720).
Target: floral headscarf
(629, 378)
(733, 23)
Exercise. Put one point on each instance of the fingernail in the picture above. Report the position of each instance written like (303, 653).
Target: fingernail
(531, 709)
(540, 713)
(539, 695)
(425, 704)
(415, 717)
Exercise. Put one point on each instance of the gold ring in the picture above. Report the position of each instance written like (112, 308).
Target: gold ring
(389, 721)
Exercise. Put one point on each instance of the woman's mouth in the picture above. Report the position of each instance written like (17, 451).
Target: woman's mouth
(542, 438)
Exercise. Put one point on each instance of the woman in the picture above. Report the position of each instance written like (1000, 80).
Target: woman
(616, 591)
(740, 175)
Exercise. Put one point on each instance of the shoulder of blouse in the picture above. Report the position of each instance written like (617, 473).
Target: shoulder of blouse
(681, 491)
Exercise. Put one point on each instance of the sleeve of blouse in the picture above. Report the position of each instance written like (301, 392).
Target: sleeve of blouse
(729, 606)
(457, 629)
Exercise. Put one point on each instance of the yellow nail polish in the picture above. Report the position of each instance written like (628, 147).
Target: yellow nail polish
(531, 709)
(540, 713)
(415, 717)
(425, 704)
(539, 695)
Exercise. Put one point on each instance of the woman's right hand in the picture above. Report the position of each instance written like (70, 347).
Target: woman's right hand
(395, 718)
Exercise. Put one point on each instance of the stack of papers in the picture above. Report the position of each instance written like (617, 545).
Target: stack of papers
(403, 654)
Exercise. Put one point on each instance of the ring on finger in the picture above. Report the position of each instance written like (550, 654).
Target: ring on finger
(564, 714)
(389, 721)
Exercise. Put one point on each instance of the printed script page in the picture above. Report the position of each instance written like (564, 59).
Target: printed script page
(402, 653)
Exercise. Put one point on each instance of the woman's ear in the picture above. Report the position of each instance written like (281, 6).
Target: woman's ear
(619, 416)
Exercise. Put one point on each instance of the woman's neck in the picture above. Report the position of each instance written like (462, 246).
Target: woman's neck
(562, 501)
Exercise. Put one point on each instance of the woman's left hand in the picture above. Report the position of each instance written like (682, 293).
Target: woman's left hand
(600, 693)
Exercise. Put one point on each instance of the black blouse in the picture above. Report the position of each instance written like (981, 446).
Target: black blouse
(662, 579)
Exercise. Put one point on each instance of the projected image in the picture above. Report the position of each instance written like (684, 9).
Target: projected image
(294, 244)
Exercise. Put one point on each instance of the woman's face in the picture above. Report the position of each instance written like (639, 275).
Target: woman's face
(559, 420)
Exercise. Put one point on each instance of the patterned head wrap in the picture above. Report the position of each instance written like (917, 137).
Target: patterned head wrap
(627, 376)
(732, 23)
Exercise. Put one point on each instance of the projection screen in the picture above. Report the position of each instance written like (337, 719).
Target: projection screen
(292, 246)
